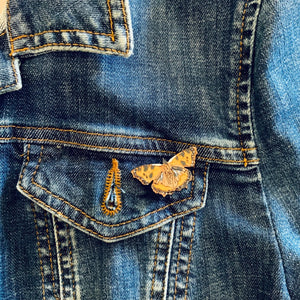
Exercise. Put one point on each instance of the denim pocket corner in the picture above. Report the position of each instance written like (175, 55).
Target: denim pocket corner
(37, 27)
(70, 183)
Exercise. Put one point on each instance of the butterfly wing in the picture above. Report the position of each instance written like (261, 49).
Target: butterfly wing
(178, 175)
(184, 159)
(182, 176)
(147, 173)
(168, 177)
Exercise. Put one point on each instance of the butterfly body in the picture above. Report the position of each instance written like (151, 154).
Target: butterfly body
(170, 176)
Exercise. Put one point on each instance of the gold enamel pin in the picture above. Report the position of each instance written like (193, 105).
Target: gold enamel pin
(170, 176)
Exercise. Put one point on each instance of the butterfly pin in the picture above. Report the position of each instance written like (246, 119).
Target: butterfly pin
(170, 176)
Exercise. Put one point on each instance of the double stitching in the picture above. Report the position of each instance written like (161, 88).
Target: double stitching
(88, 216)
(111, 225)
(190, 249)
(178, 258)
(50, 256)
(190, 257)
(123, 149)
(59, 31)
(60, 256)
(155, 263)
(74, 30)
(238, 84)
(126, 137)
(39, 251)
(71, 262)
(87, 145)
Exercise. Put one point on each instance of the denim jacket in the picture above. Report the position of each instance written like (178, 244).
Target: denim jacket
(149, 150)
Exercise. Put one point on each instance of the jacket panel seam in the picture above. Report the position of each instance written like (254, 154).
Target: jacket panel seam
(125, 136)
(247, 31)
(238, 84)
(190, 258)
(39, 251)
(155, 263)
(130, 150)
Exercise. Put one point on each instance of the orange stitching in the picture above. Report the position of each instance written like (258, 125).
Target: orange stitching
(190, 258)
(71, 260)
(50, 256)
(98, 234)
(83, 45)
(125, 25)
(3, 33)
(228, 160)
(125, 136)
(60, 256)
(71, 45)
(75, 30)
(59, 31)
(38, 164)
(113, 225)
(39, 250)
(192, 237)
(121, 149)
(89, 146)
(112, 187)
(155, 263)
(102, 223)
(111, 21)
(166, 259)
(178, 257)
(238, 85)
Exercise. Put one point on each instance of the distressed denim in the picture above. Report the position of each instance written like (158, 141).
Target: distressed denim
(91, 90)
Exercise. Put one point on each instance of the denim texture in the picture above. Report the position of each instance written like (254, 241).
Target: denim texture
(86, 84)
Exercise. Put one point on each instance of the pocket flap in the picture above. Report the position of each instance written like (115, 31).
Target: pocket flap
(97, 192)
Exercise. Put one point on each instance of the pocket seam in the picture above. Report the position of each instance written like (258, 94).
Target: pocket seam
(102, 223)
(99, 222)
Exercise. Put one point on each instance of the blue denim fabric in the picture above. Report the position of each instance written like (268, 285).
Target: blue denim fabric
(86, 83)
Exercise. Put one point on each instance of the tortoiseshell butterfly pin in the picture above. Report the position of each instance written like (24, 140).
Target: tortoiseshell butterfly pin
(170, 176)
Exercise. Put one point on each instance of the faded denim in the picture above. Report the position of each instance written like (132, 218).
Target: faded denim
(86, 82)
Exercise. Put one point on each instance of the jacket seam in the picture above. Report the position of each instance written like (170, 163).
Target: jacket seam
(88, 146)
(238, 83)
(167, 260)
(39, 251)
(178, 258)
(125, 136)
(155, 263)
(190, 257)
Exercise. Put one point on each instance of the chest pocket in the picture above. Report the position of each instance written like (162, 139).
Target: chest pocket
(97, 193)
(100, 26)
